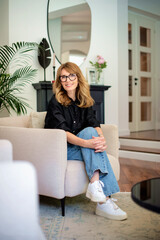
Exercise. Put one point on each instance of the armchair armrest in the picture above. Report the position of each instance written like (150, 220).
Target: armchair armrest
(5, 151)
(46, 149)
(110, 133)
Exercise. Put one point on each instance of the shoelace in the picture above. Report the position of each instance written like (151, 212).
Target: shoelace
(112, 200)
(100, 185)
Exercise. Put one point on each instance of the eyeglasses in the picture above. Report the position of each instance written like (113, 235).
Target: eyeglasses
(71, 77)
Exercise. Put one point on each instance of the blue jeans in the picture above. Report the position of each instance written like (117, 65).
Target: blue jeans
(94, 161)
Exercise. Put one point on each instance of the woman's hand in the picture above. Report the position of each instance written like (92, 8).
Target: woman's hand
(97, 143)
(101, 144)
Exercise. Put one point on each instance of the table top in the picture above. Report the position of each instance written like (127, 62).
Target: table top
(147, 194)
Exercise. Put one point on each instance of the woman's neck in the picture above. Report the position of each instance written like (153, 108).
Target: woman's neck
(72, 95)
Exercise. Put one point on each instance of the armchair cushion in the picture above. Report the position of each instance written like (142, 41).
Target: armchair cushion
(36, 119)
(76, 180)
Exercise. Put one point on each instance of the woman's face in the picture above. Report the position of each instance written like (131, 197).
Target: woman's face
(69, 81)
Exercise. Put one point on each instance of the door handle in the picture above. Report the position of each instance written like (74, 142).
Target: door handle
(135, 79)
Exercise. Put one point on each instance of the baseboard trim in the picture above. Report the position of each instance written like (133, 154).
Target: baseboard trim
(124, 132)
(139, 156)
(140, 143)
(157, 125)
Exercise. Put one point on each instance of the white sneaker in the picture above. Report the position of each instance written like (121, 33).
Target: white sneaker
(110, 210)
(95, 192)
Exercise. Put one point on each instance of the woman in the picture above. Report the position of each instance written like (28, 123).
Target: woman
(70, 109)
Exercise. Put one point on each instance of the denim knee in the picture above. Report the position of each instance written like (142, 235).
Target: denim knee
(87, 133)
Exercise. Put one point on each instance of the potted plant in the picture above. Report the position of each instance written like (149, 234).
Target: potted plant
(15, 73)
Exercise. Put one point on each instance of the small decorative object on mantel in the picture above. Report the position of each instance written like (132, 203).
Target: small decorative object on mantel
(54, 66)
(44, 55)
(99, 65)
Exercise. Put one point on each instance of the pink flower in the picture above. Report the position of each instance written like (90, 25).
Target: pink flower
(99, 64)
(101, 60)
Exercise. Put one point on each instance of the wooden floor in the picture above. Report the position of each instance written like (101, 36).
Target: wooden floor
(133, 171)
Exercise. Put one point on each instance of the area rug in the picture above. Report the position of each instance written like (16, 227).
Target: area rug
(81, 223)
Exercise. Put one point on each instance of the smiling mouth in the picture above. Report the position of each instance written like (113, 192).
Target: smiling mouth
(68, 85)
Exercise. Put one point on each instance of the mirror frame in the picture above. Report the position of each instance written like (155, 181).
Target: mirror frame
(48, 34)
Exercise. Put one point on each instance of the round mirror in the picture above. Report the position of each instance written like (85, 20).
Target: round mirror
(69, 29)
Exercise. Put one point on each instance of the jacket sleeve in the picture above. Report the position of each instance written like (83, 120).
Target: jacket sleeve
(91, 120)
(55, 117)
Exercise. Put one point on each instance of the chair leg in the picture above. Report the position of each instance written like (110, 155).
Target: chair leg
(63, 206)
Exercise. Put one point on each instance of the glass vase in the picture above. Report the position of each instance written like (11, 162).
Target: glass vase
(99, 78)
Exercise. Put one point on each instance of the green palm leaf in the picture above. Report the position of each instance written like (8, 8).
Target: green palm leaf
(24, 76)
(17, 104)
(16, 54)
(11, 85)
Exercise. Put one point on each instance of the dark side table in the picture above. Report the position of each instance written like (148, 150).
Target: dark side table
(147, 194)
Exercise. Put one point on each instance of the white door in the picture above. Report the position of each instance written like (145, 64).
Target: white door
(141, 72)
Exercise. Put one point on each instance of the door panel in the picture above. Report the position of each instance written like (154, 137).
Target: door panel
(141, 72)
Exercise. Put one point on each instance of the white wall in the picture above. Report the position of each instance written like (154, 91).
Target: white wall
(28, 22)
(104, 42)
(123, 67)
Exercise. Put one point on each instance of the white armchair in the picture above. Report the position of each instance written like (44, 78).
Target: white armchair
(46, 149)
(18, 201)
